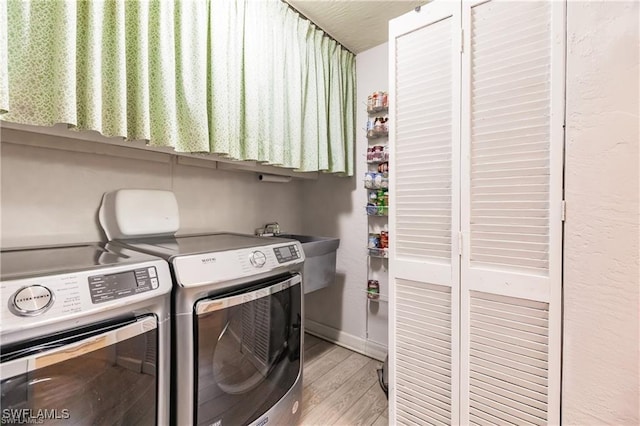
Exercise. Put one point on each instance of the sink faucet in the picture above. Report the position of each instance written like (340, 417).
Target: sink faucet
(269, 229)
(272, 228)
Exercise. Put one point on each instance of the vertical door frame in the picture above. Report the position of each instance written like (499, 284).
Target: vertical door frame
(558, 110)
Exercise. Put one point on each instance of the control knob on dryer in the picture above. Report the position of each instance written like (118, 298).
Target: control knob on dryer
(258, 259)
(31, 300)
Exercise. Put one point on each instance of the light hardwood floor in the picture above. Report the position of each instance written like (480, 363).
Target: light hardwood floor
(340, 387)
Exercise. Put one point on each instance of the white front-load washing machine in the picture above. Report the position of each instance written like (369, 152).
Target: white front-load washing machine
(237, 327)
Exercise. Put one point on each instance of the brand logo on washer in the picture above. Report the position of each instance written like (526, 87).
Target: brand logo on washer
(208, 260)
(263, 422)
(33, 298)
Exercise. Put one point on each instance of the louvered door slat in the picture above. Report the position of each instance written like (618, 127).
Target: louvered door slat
(427, 351)
(486, 343)
(434, 393)
(436, 314)
(407, 420)
(423, 372)
(414, 413)
(515, 109)
(418, 359)
(412, 102)
(507, 340)
(506, 393)
(532, 391)
(502, 413)
(416, 119)
(428, 410)
(412, 288)
(533, 373)
(426, 332)
(485, 317)
(436, 387)
(509, 13)
(419, 314)
(518, 62)
(505, 317)
(523, 407)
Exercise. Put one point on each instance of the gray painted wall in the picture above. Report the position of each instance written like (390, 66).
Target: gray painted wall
(51, 196)
(336, 207)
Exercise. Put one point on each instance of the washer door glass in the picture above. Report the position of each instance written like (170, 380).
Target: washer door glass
(102, 375)
(248, 352)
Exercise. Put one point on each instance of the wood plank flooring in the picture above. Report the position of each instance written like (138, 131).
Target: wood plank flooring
(340, 387)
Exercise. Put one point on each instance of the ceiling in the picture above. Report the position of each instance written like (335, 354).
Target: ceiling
(358, 25)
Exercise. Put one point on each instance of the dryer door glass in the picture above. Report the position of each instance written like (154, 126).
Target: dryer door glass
(101, 375)
(248, 352)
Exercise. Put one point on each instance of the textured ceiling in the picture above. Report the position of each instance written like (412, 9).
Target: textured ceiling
(357, 25)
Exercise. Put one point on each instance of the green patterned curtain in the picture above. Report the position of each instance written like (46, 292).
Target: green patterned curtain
(246, 79)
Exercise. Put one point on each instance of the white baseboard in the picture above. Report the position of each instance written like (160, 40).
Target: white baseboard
(368, 348)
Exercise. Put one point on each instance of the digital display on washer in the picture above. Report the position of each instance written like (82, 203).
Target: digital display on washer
(115, 286)
(286, 253)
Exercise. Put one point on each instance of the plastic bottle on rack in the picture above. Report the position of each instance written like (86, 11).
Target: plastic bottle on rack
(373, 289)
(384, 237)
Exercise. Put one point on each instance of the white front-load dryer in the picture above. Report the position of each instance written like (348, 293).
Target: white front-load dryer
(84, 336)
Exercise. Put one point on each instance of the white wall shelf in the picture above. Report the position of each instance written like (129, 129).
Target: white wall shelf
(61, 137)
(377, 134)
(376, 182)
(379, 211)
(381, 253)
(373, 297)
(377, 110)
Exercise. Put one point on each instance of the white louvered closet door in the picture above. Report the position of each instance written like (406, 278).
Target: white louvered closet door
(424, 215)
(511, 187)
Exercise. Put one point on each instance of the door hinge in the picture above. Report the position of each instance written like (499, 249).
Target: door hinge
(461, 40)
(563, 210)
(460, 243)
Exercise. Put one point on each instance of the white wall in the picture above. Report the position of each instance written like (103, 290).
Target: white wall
(51, 196)
(336, 207)
(601, 273)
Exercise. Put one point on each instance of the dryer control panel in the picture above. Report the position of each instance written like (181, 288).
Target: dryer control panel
(51, 298)
(106, 287)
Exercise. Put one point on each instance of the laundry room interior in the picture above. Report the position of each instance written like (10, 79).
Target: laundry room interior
(438, 301)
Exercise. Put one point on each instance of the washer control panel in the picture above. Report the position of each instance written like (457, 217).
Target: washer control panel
(106, 287)
(223, 266)
(287, 253)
